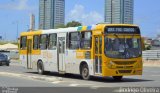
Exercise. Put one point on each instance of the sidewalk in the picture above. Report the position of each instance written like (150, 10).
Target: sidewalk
(15, 62)
(151, 63)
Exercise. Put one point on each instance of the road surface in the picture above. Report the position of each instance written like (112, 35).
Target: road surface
(150, 78)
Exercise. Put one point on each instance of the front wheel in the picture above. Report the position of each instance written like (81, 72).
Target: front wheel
(117, 78)
(85, 72)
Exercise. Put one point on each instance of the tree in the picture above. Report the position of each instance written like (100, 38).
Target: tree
(60, 26)
(73, 24)
(69, 24)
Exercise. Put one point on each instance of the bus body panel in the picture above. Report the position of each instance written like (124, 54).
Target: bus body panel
(63, 59)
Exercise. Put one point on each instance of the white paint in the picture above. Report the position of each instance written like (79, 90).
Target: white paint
(74, 85)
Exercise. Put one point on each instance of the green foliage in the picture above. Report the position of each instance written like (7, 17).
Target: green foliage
(69, 24)
(73, 24)
(147, 47)
(60, 26)
(15, 43)
(2, 43)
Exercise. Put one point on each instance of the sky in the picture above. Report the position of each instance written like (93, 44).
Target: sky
(16, 14)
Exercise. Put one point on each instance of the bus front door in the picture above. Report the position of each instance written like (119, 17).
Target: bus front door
(98, 54)
(29, 51)
(61, 54)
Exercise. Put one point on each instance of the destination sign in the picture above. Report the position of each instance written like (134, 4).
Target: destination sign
(122, 30)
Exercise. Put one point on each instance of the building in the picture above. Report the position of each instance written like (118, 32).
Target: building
(32, 22)
(0, 37)
(156, 41)
(119, 11)
(158, 37)
(51, 13)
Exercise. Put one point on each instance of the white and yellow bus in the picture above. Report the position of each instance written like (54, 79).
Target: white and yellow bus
(100, 50)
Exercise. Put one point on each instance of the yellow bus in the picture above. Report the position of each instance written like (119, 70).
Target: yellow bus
(100, 50)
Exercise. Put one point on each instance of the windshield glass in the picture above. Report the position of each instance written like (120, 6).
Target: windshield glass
(2, 56)
(123, 48)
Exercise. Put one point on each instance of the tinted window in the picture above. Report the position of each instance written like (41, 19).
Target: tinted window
(86, 39)
(36, 43)
(43, 42)
(23, 43)
(52, 41)
(2, 56)
(74, 40)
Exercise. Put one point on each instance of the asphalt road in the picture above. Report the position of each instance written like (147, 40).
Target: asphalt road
(7, 81)
(150, 78)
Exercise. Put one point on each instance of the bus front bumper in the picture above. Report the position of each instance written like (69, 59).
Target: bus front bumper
(122, 72)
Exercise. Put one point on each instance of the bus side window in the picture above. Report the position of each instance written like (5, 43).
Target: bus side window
(86, 39)
(74, 40)
(52, 44)
(43, 42)
(23, 43)
(67, 41)
(36, 42)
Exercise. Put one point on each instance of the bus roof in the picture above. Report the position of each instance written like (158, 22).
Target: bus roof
(73, 29)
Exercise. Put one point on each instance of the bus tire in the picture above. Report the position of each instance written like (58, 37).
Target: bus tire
(40, 68)
(7, 64)
(117, 78)
(0, 63)
(85, 72)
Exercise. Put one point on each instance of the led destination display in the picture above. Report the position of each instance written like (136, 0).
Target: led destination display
(122, 30)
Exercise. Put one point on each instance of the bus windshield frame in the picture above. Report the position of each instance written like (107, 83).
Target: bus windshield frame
(122, 44)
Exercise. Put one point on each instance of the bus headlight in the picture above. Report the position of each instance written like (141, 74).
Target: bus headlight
(88, 55)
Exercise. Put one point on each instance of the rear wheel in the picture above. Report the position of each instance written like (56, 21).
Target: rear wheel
(7, 64)
(117, 78)
(40, 68)
(85, 72)
(0, 63)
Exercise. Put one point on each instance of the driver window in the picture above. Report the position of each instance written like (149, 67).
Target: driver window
(135, 43)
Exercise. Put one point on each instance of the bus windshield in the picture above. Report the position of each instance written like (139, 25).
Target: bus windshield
(123, 48)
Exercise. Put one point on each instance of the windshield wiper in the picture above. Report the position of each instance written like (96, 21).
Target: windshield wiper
(117, 36)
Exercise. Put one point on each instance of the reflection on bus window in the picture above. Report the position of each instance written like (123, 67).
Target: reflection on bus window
(74, 40)
(86, 40)
(36, 42)
(52, 41)
(23, 42)
(122, 47)
(43, 42)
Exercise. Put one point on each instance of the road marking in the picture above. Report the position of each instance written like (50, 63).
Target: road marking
(10, 74)
(56, 82)
(73, 85)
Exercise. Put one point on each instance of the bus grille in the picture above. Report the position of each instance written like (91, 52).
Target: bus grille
(125, 71)
(124, 67)
(124, 62)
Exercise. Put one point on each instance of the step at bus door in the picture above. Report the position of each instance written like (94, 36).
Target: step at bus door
(29, 54)
(98, 54)
(61, 53)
